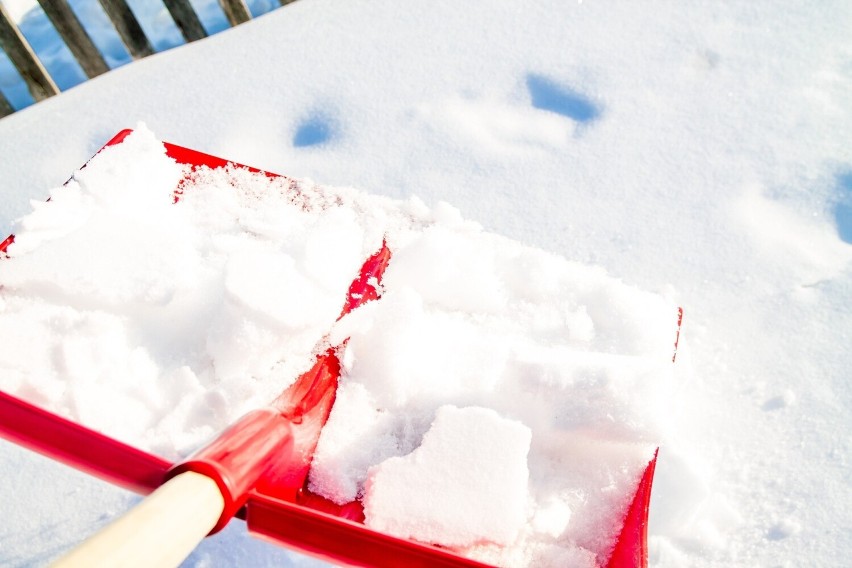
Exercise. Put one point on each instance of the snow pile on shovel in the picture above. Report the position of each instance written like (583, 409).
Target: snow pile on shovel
(497, 399)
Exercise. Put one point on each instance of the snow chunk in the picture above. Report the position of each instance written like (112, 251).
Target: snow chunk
(359, 436)
(466, 483)
(552, 518)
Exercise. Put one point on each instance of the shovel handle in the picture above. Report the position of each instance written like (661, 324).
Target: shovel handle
(161, 531)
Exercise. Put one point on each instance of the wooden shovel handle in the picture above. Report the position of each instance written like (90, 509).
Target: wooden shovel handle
(161, 531)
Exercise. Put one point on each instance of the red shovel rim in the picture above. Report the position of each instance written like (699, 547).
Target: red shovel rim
(292, 517)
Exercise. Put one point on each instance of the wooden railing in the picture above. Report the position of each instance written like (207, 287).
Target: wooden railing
(38, 80)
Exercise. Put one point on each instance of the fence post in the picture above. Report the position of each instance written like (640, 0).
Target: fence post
(5, 108)
(236, 11)
(39, 83)
(186, 19)
(75, 36)
(128, 28)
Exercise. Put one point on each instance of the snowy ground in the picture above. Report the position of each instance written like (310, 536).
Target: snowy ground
(697, 150)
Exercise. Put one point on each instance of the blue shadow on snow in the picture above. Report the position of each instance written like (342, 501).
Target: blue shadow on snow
(548, 95)
(313, 131)
(843, 209)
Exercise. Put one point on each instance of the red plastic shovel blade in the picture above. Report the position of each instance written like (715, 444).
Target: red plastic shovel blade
(308, 402)
(6, 242)
(269, 509)
(631, 548)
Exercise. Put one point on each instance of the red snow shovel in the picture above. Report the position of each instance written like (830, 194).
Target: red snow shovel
(255, 470)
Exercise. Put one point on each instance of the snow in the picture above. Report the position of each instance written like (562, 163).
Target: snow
(17, 9)
(698, 152)
(211, 291)
(465, 483)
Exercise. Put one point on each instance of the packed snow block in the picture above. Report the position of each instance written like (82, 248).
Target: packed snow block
(466, 482)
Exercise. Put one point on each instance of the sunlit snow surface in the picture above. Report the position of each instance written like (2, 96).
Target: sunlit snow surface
(696, 150)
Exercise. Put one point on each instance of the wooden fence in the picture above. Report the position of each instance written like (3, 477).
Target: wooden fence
(38, 80)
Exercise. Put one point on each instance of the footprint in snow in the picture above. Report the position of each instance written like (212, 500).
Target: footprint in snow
(548, 95)
(784, 528)
(512, 124)
(783, 400)
(316, 129)
(843, 207)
